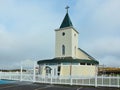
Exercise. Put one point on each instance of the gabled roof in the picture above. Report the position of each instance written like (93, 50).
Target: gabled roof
(89, 56)
(66, 21)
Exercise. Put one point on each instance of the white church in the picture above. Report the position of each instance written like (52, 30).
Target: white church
(69, 59)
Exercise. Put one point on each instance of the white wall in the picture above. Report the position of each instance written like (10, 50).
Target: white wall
(70, 40)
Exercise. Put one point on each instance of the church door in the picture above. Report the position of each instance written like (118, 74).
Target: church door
(48, 71)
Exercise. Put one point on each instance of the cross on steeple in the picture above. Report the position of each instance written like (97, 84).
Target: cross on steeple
(67, 7)
(66, 21)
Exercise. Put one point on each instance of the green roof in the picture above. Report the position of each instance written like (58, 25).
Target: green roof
(67, 60)
(66, 21)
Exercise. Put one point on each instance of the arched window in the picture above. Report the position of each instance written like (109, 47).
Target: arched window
(63, 49)
(75, 51)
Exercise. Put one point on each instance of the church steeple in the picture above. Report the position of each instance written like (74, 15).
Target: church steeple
(66, 21)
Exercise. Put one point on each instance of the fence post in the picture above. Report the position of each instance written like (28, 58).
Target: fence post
(51, 79)
(21, 72)
(0, 75)
(102, 80)
(89, 81)
(96, 81)
(34, 73)
(118, 77)
(71, 80)
(110, 80)
(10, 77)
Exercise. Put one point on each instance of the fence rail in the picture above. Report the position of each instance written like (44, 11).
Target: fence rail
(107, 81)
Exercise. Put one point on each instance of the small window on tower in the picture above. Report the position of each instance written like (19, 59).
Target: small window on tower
(74, 34)
(63, 33)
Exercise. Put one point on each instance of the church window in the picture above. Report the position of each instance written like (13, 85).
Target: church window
(82, 63)
(63, 49)
(59, 70)
(75, 50)
(88, 64)
(74, 34)
(63, 33)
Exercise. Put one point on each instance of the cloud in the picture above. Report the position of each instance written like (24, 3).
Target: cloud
(98, 16)
(111, 61)
(6, 38)
(99, 27)
(27, 28)
(107, 44)
(28, 63)
(26, 32)
(107, 15)
(105, 50)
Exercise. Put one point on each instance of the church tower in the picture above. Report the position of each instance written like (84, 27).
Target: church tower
(66, 41)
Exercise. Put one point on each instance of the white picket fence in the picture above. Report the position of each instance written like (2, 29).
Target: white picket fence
(107, 81)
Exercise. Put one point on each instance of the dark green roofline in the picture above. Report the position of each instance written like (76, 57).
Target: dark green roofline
(67, 60)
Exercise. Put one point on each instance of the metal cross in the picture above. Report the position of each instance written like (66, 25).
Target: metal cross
(67, 7)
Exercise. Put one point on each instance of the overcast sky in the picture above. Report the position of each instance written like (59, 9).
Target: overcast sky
(27, 29)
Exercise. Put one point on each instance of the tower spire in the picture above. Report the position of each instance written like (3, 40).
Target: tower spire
(66, 21)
